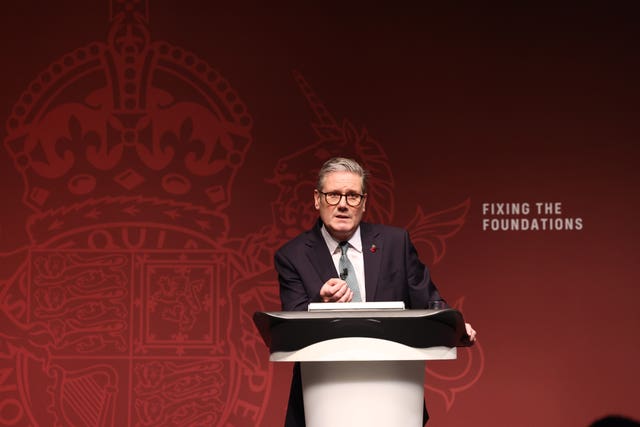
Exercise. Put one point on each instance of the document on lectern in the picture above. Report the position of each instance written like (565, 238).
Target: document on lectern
(356, 306)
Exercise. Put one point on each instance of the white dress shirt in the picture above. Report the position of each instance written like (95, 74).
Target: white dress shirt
(354, 254)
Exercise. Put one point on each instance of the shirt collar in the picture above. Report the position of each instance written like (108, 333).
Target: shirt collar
(355, 241)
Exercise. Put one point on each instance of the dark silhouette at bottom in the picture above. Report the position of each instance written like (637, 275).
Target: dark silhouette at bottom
(615, 421)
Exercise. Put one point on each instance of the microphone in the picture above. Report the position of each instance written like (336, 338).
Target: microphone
(344, 274)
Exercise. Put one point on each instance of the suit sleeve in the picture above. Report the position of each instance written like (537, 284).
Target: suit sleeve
(293, 294)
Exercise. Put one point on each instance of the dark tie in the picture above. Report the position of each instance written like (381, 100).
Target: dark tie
(348, 273)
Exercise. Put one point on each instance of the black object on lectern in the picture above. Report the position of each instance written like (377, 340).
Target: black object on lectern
(294, 330)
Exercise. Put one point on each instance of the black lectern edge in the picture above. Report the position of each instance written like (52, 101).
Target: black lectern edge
(293, 330)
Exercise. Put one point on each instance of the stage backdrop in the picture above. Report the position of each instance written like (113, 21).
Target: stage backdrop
(155, 155)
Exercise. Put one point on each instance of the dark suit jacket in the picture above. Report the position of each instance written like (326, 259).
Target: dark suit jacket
(392, 270)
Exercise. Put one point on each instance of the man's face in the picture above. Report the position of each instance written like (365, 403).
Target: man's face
(341, 220)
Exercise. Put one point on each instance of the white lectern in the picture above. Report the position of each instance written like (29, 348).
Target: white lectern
(362, 368)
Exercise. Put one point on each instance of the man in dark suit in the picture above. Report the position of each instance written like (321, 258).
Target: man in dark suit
(384, 261)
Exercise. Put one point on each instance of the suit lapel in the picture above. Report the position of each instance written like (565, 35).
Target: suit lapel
(319, 256)
(372, 250)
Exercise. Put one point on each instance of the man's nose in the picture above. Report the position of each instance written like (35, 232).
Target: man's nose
(343, 202)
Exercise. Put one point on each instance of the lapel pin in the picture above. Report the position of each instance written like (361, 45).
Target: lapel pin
(373, 249)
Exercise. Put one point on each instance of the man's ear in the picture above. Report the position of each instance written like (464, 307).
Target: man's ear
(316, 199)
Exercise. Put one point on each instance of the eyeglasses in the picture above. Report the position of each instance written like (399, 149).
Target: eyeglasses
(333, 199)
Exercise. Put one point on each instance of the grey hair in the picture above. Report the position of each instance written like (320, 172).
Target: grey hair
(341, 164)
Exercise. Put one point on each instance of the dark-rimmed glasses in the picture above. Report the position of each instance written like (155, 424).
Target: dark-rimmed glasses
(333, 199)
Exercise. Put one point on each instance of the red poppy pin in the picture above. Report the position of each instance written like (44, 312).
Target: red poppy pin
(373, 249)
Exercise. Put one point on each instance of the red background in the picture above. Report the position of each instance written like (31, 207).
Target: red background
(479, 104)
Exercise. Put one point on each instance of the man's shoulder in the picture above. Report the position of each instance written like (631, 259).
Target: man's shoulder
(384, 229)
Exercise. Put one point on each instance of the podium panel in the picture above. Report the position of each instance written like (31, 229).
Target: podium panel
(363, 393)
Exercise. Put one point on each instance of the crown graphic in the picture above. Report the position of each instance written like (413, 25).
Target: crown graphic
(128, 117)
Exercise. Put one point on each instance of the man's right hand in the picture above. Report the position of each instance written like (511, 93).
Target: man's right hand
(336, 290)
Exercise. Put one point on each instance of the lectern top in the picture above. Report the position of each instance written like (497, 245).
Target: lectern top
(375, 314)
(293, 330)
